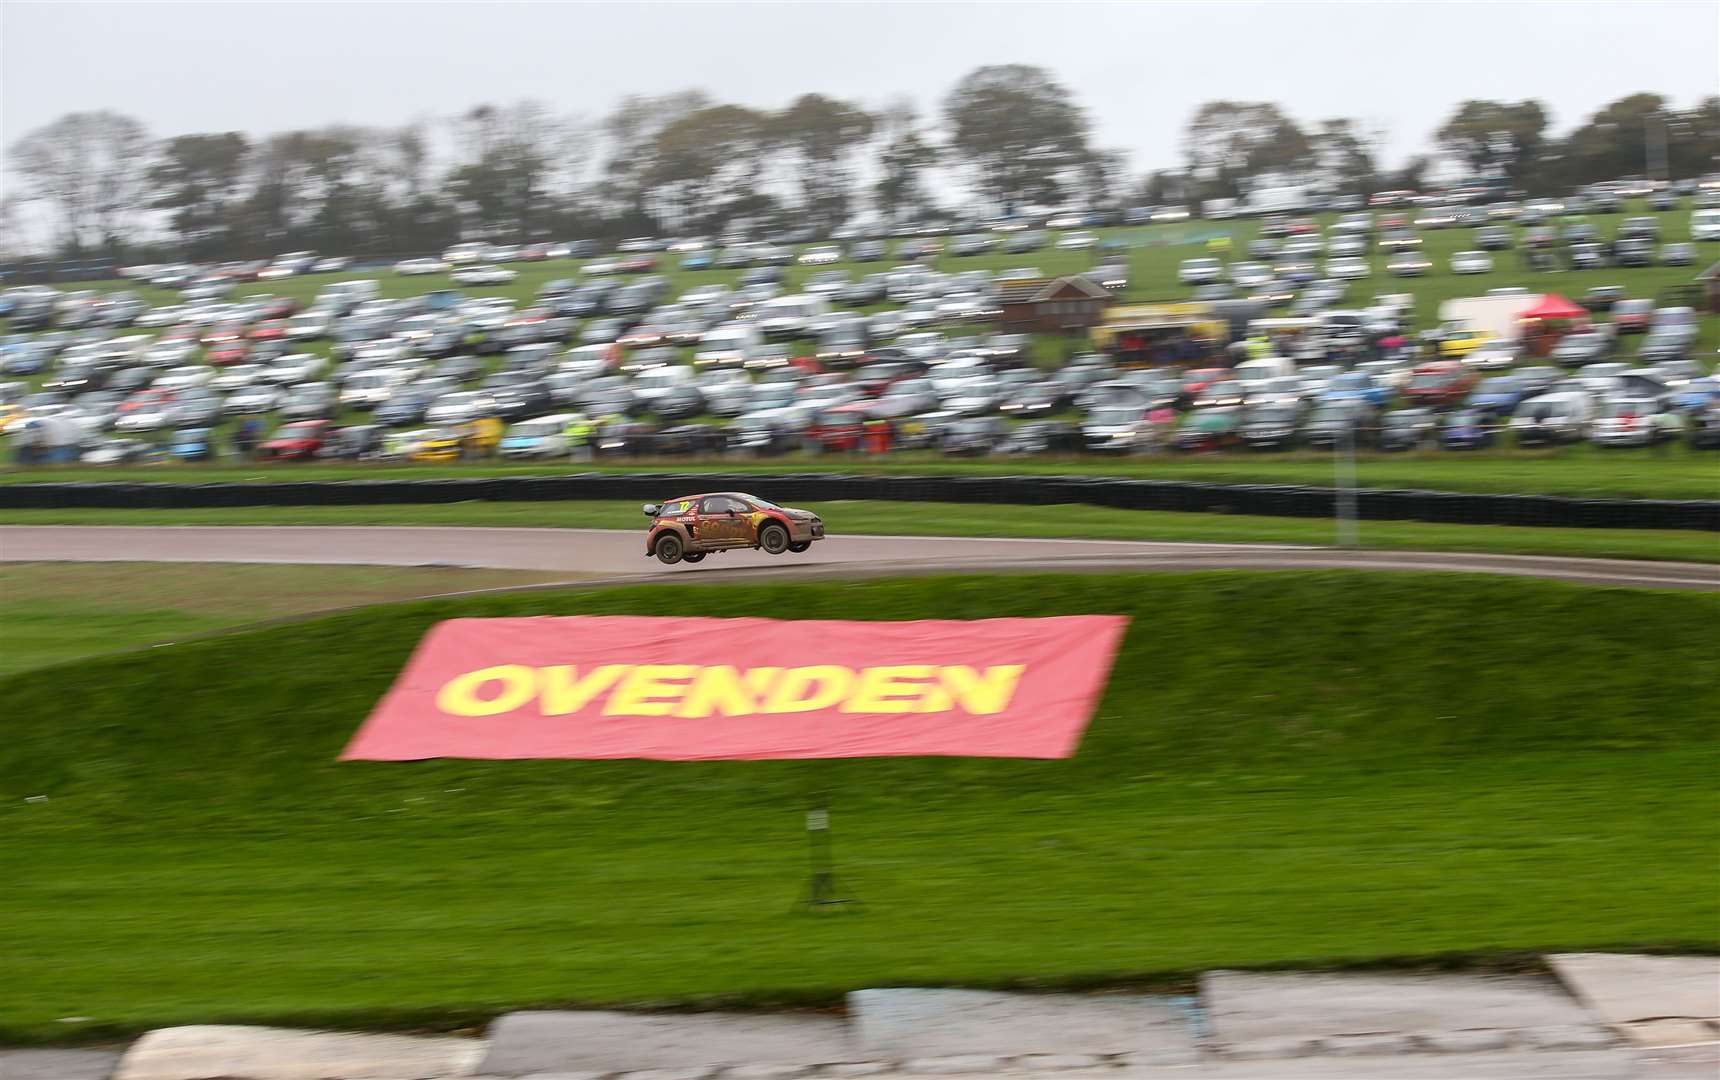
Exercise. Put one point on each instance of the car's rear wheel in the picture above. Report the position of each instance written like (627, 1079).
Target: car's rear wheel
(669, 549)
(693, 556)
(800, 547)
(773, 539)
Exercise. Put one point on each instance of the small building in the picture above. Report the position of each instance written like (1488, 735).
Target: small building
(1065, 305)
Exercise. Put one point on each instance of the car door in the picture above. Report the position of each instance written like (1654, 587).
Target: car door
(723, 521)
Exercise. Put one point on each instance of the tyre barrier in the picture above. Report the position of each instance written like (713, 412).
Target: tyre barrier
(1265, 500)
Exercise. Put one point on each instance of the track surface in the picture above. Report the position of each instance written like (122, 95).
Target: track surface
(621, 553)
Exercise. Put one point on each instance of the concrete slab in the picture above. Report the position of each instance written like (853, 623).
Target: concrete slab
(1508, 1065)
(57, 1064)
(1245, 1009)
(918, 1023)
(259, 1053)
(1671, 1032)
(1622, 988)
(535, 1042)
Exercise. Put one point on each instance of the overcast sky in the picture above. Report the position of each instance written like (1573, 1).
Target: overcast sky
(1139, 68)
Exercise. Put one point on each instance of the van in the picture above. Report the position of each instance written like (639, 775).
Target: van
(729, 343)
(1265, 367)
(786, 317)
(1705, 224)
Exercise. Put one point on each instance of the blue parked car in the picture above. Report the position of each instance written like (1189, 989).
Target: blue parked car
(1696, 395)
(191, 444)
(699, 260)
(1468, 429)
(1499, 395)
(1356, 386)
(28, 359)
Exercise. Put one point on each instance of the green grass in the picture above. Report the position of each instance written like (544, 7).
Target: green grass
(54, 612)
(1286, 769)
(1665, 473)
(959, 519)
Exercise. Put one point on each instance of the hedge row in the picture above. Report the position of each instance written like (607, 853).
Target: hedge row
(1272, 500)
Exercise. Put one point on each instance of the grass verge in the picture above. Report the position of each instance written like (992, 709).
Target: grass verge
(859, 517)
(54, 612)
(1290, 768)
(1665, 473)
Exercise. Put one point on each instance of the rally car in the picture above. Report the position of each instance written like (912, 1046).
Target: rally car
(691, 527)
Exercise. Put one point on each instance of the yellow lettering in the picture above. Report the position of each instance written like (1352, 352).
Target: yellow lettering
(722, 689)
(985, 694)
(638, 693)
(563, 693)
(795, 693)
(891, 689)
(459, 695)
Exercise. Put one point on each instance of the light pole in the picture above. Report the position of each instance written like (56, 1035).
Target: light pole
(1654, 149)
(1344, 466)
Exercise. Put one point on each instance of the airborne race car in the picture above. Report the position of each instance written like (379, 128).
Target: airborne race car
(689, 528)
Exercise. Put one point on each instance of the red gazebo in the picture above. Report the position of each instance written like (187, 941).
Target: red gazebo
(1551, 318)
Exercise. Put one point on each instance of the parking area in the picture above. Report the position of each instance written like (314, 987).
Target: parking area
(1396, 323)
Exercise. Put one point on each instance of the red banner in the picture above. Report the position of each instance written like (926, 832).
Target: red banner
(690, 689)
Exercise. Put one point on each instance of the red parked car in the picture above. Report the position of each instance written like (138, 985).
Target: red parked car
(269, 330)
(298, 441)
(1440, 385)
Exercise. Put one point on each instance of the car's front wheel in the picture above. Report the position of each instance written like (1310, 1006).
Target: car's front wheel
(799, 547)
(669, 549)
(773, 539)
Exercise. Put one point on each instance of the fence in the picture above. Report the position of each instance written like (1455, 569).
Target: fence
(1259, 499)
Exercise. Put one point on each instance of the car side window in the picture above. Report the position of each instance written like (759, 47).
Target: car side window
(721, 505)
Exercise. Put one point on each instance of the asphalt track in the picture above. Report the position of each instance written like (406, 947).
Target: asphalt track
(617, 553)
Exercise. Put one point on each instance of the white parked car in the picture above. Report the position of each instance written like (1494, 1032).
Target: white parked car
(368, 389)
(1471, 262)
(484, 274)
(1408, 264)
(294, 368)
(309, 325)
(1202, 271)
(465, 254)
(1076, 241)
(457, 408)
(822, 255)
(1635, 422)
(1348, 269)
(256, 398)
(237, 377)
(183, 378)
(416, 267)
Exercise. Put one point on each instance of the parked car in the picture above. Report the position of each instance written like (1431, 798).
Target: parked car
(295, 442)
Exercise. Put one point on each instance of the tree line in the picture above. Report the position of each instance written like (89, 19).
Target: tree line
(1004, 137)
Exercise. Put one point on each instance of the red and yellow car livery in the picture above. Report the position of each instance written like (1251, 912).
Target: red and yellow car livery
(690, 527)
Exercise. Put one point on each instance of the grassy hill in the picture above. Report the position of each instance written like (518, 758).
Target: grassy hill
(1286, 769)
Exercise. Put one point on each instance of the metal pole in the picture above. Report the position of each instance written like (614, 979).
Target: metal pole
(1344, 464)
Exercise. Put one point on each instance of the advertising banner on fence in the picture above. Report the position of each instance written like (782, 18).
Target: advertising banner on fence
(692, 689)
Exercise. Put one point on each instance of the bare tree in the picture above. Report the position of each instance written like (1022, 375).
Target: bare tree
(88, 168)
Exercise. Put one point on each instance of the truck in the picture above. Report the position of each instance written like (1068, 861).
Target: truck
(1498, 318)
(1278, 200)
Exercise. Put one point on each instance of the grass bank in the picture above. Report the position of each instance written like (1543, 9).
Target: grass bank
(1293, 768)
(860, 517)
(54, 612)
